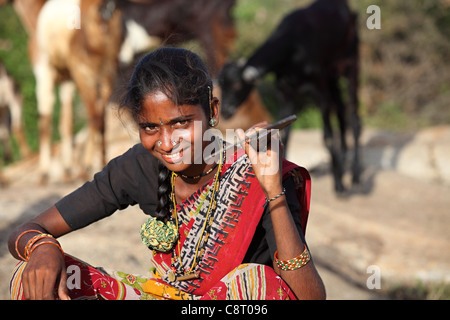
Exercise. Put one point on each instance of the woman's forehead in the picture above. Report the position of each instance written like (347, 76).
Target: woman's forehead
(157, 106)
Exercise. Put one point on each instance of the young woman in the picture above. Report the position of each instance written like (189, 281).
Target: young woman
(228, 228)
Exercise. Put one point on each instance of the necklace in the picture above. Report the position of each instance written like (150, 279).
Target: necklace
(200, 175)
(212, 204)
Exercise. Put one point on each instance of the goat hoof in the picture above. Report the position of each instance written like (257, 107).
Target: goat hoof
(339, 189)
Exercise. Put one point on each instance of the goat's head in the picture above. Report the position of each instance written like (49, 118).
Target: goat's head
(235, 83)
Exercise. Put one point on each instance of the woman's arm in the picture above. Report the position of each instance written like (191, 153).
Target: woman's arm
(45, 267)
(305, 282)
(126, 180)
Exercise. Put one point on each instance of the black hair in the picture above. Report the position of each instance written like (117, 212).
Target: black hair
(182, 76)
(178, 73)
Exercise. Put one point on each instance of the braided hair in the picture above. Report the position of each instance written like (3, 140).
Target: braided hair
(182, 76)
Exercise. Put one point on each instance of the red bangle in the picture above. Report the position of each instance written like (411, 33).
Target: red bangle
(17, 242)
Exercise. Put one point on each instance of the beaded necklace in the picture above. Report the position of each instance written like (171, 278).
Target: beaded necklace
(172, 274)
(200, 175)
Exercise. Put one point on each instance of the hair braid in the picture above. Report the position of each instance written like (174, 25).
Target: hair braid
(164, 189)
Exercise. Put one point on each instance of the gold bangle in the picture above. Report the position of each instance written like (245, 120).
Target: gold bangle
(295, 263)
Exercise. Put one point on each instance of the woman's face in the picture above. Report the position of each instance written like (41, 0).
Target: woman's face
(171, 133)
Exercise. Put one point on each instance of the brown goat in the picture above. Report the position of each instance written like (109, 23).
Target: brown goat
(84, 58)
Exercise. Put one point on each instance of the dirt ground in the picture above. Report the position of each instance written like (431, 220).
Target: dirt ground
(397, 219)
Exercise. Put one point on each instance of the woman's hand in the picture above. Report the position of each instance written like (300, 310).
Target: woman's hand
(44, 272)
(265, 156)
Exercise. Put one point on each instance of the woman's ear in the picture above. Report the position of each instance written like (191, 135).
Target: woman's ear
(215, 112)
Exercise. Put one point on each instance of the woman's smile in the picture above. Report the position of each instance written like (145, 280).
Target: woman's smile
(173, 157)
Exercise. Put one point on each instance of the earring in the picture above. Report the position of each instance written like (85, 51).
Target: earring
(212, 121)
(209, 100)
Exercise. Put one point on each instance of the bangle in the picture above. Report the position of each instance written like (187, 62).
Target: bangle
(17, 242)
(46, 242)
(276, 197)
(293, 264)
(32, 241)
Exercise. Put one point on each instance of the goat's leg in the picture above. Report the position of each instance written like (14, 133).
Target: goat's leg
(356, 128)
(340, 112)
(45, 100)
(94, 141)
(336, 161)
(105, 95)
(354, 119)
(91, 92)
(95, 151)
(5, 135)
(97, 144)
(5, 144)
(66, 94)
(17, 126)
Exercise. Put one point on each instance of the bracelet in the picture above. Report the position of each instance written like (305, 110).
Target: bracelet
(276, 197)
(17, 242)
(47, 242)
(33, 241)
(293, 264)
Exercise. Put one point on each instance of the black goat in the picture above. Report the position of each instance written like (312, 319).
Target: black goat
(308, 52)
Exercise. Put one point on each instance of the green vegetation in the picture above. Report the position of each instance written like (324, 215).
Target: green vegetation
(13, 49)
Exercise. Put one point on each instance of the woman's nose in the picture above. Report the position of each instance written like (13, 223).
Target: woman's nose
(165, 140)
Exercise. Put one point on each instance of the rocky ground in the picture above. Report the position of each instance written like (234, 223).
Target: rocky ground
(395, 224)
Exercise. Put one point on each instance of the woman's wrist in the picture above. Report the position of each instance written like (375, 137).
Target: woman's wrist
(36, 239)
(274, 192)
(274, 198)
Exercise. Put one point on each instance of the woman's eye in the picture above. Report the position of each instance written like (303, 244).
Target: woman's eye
(181, 123)
(149, 129)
